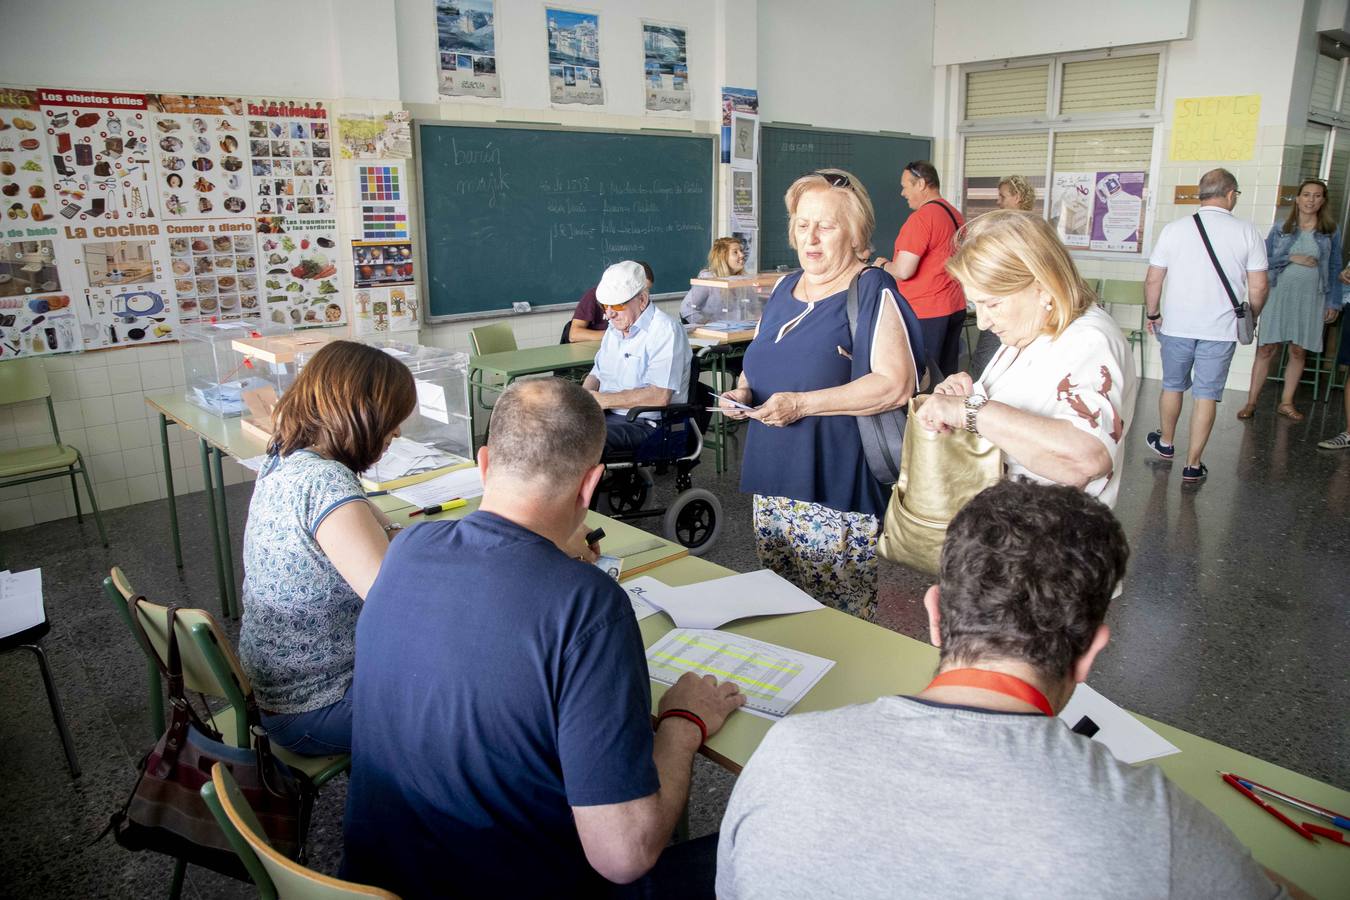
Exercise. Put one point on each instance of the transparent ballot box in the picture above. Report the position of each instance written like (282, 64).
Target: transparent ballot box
(438, 434)
(738, 298)
(216, 373)
(276, 359)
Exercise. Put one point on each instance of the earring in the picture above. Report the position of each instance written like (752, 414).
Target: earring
(1049, 307)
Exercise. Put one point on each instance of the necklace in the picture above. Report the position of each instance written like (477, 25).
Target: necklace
(999, 683)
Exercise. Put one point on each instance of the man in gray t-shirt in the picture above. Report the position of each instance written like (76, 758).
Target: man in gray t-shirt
(972, 787)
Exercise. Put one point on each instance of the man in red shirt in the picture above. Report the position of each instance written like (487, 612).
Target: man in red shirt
(921, 251)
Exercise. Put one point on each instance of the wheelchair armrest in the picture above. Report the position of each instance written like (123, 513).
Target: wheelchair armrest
(667, 413)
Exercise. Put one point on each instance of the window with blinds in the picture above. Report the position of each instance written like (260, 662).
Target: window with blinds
(1113, 84)
(1314, 147)
(1092, 151)
(1326, 77)
(1007, 92)
(991, 158)
(1338, 178)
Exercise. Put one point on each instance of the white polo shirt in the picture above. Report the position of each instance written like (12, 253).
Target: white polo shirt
(654, 354)
(1194, 303)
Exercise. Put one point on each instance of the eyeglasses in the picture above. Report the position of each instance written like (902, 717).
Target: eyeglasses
(614, 307)
(835, 179)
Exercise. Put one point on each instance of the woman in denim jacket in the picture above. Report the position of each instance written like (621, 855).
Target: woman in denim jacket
(1305, 293)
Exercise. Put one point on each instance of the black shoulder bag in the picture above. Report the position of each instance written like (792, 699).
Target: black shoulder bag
(1246, 324)
(882, 434)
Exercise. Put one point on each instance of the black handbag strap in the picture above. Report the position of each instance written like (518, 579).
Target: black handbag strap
(951, 215)
(1209, 248)
(882, 434)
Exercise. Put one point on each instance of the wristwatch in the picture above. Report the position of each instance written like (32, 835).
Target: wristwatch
(974, 403)
(1153, 318)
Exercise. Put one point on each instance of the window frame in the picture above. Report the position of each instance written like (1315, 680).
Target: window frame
(1052, 121)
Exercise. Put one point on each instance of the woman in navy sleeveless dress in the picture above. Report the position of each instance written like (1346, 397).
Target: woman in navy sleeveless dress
(817, 506)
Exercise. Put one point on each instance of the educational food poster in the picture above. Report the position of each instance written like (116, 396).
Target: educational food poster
(101, 153)
(291, 153)
(574, 57)
(298, 258)
(368, 136)
(380, 263)
(1118, 211)
(215, 276)
(466, 37)
(666, 68)
(200, 153)
(385, 309)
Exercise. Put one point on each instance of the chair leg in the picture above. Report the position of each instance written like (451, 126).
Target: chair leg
(58, 713)
(176, 886)
(93, 501)
(75, 490)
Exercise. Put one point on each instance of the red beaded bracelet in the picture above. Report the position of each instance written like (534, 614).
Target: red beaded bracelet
(687, 716)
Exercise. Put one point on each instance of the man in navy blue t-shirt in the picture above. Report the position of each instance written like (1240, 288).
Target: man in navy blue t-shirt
(502, 738)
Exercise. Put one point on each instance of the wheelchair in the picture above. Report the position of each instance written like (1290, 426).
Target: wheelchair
(694, 518)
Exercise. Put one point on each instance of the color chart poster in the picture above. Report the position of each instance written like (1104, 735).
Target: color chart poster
(666, 68)
(384, 201)
(466, 36)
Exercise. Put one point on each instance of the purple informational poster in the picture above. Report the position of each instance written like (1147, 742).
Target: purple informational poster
(1118, 211)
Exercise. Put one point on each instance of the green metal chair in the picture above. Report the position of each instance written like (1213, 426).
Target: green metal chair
(22, 380)
(210, 668)
(496, 338)
(277, 877)
(1116, 292)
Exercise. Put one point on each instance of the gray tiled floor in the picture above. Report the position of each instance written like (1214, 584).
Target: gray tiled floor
(1232, 625)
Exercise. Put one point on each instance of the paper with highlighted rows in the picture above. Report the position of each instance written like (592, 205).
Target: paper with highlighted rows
(1128, 739)
(711, 604)
(772, 678)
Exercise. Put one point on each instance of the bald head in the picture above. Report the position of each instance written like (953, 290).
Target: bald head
(545, 429)
(1216, 185)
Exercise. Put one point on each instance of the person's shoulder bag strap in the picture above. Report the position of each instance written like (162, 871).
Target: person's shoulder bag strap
(882, 434)
(951, 215)
(1209, 248)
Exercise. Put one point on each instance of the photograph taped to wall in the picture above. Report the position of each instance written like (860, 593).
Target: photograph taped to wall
(666, 68)
(744, 138)
(466, 35)
(574, 57)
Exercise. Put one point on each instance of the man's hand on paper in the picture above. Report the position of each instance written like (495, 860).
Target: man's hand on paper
(959, 385)
(706, 697)
(578, 548)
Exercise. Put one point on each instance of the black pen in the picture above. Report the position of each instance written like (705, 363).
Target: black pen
(593, 537)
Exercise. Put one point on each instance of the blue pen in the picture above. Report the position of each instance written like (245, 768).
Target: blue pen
(1333, 818)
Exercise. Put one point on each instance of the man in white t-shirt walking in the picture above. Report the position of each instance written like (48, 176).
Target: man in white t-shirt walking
(1196, 328)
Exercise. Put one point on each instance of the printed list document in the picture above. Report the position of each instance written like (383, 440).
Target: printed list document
(20, 601)
(460, 484)
(772, 678)
(1128, 739)
(711, 604)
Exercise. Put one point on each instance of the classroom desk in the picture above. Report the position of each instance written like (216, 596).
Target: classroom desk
(872, 661)
(494, 371)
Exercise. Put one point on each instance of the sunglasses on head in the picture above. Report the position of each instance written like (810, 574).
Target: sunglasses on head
(835, 179)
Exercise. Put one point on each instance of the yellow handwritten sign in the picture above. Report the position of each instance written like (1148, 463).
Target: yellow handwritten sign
(1222, 129)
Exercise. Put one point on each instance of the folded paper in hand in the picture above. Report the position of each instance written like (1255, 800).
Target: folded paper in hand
(709, 604)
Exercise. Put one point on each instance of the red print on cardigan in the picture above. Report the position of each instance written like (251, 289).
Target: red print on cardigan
(1072, 394)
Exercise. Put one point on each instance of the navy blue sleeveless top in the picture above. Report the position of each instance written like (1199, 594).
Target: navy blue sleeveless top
(817, 459)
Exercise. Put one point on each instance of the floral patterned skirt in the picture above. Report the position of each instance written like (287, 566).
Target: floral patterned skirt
(829, 554)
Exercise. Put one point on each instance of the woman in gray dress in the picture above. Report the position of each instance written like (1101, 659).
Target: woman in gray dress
(1305, 293)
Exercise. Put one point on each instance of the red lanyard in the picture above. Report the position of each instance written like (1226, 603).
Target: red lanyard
(997, 682)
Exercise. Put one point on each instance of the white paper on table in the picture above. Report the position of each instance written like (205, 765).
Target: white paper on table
(254, 462)
(636, 596)
(710, 604)
(20, 601)
(1128, 739)
(408, 457)
(460, 484)
(431, 401)
(772, 678)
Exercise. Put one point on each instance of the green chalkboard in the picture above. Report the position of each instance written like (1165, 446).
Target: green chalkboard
(536, 213)
(787, 152)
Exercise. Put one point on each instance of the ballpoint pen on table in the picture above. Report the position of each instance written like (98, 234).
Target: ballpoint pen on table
(1246, 792)
(1331, 816)
(439, 507)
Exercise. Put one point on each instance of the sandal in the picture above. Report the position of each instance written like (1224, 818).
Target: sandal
(1287, 410)
(1247, 412)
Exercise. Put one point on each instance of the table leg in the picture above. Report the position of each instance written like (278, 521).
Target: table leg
(215, 528)
(226, 552)
(720, 377)
(168, 483)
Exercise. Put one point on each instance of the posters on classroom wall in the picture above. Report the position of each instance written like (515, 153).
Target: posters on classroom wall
(1215, 128)
(199, 152)
(100, 146)
(1071, 207)
(368, 136)
(1099, 210)
(298, 256)
(383, 309)
(574, 57)
(381, 188)
(666, 68)
(744, 210)
(466, 34)
(743, 104)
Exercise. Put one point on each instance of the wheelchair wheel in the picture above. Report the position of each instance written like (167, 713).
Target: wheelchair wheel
(694, 520)
(629, 491)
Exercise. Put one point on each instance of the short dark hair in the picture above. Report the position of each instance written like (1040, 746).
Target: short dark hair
(545, 428)
(346, 400)
(646, 267)
(923, 169)
(1027, 574)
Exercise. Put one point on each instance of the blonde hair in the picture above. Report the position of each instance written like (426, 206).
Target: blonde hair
(859, 218)
(1006, 251)
(719, 257)
(1018, 185)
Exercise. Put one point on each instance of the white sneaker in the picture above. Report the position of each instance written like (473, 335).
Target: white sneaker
(1339, 442)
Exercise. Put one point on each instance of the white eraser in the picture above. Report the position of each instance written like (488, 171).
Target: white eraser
(521, 306)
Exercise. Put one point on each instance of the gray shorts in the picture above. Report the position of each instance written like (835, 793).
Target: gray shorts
(1198, 366)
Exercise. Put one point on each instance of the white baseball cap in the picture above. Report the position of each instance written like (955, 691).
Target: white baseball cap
(621, 282)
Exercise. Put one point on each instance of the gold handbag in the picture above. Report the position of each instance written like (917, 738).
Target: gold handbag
(939, 474)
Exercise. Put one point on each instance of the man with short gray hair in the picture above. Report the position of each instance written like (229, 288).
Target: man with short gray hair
(1190, 312)
(502, 735)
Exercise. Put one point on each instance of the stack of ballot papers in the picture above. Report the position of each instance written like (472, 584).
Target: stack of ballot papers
(20, 601)
(227, 398)
(709, 604)
(405, 458)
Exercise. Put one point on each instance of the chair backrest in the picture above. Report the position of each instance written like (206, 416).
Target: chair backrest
(22, 380)
(1115, 290)
(496, 338)
(285, 878)
(199, 674)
